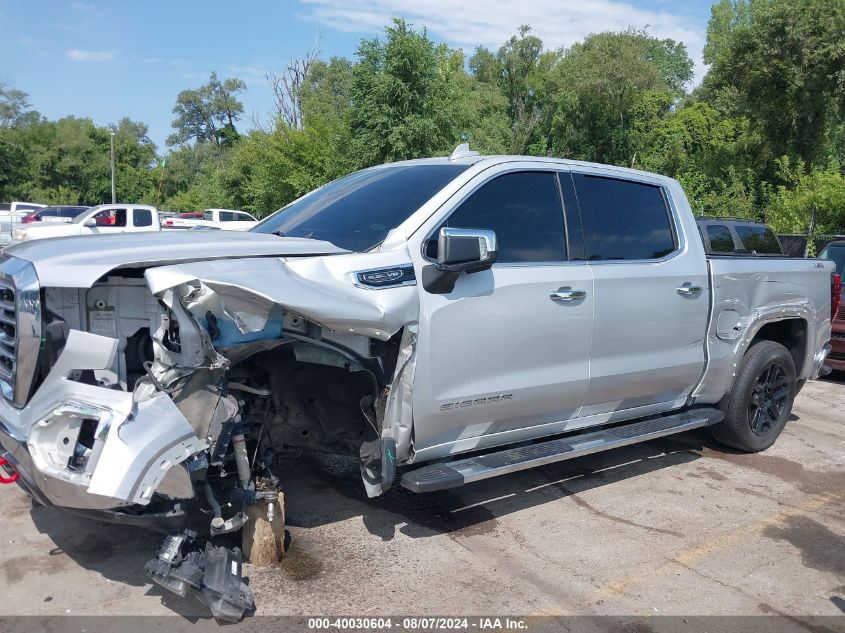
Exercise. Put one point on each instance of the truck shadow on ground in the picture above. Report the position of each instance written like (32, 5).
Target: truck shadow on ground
(322, 489)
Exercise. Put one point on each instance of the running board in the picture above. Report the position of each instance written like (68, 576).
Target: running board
(443, 475)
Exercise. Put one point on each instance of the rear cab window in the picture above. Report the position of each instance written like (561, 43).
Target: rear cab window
(758, 239)
(720, 238)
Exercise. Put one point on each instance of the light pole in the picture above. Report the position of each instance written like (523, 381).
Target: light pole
(113, 196)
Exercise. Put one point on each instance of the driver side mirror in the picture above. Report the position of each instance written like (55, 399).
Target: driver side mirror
(459, 250)
(90, 222)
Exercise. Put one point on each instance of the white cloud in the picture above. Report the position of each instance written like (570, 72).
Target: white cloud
(84, 16)
(174, 61)
(249, 74)
(70, 28)
(193, 76)
(469, 23)
(86, 8)
(79, 55)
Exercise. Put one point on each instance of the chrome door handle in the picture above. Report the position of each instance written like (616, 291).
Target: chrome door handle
(567, 294)
(688, 291)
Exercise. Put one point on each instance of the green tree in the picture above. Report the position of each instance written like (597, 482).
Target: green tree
(208, 113)
(782, 63)
(520, 69)
(714, 156)
(17, 140)
(401, 96)
(811, 200)
(15, 109)
(603, 85)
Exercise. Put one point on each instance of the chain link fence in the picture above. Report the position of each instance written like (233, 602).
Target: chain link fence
(796, 245)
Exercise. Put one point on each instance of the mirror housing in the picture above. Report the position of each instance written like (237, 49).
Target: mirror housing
(459, 250)
(90, 222)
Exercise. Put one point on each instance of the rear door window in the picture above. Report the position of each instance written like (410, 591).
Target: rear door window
(721, 240)
(623, 219)
(143, 217)
(758, 239)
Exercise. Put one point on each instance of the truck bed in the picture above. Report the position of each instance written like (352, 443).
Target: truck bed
(746, 296)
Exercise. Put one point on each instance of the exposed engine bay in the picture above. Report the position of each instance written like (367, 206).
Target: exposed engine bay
(206, 387)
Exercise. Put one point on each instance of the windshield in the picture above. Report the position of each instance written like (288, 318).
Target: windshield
(357, 212)
(837, 255)
(80, 217)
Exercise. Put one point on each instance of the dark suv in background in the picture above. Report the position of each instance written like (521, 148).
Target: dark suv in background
(836, 360)
(59, 213)
(726, 236)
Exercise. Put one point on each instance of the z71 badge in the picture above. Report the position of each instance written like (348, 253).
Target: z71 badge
(462, 404)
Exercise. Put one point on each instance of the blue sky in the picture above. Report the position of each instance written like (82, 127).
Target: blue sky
(106, 60)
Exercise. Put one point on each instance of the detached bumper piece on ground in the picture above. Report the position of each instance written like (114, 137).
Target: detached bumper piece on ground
(215, 573)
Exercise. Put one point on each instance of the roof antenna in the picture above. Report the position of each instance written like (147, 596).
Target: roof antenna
(462, 151)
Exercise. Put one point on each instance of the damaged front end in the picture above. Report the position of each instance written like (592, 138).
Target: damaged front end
(252, 362)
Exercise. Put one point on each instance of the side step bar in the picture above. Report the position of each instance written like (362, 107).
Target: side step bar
(443, 475)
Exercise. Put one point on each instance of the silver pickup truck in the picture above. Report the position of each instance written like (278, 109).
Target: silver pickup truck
(453, 318)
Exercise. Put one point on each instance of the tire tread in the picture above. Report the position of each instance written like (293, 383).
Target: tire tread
(734, 431)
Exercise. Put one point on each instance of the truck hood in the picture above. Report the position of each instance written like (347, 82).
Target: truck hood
(42, 230)
(79, 261)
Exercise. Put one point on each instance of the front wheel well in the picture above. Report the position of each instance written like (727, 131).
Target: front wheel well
(791, 333)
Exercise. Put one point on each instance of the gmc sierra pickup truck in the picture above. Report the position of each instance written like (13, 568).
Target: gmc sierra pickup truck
(444, 320)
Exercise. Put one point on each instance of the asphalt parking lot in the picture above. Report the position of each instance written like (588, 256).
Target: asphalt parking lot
(676, 526)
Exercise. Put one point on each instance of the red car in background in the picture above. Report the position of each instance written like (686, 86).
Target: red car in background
(836, 359)
(168, 221)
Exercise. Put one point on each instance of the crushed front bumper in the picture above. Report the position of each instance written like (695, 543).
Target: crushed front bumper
(94, 450)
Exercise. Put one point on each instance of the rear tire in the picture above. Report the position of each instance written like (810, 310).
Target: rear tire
(758, 405)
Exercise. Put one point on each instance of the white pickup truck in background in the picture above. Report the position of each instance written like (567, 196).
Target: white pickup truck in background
(11, 214)
(227, 219)
(18, 209)
(106, 218)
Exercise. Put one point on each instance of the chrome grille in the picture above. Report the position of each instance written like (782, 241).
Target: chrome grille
(8, 332)
(20, 328)
(840, 314)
